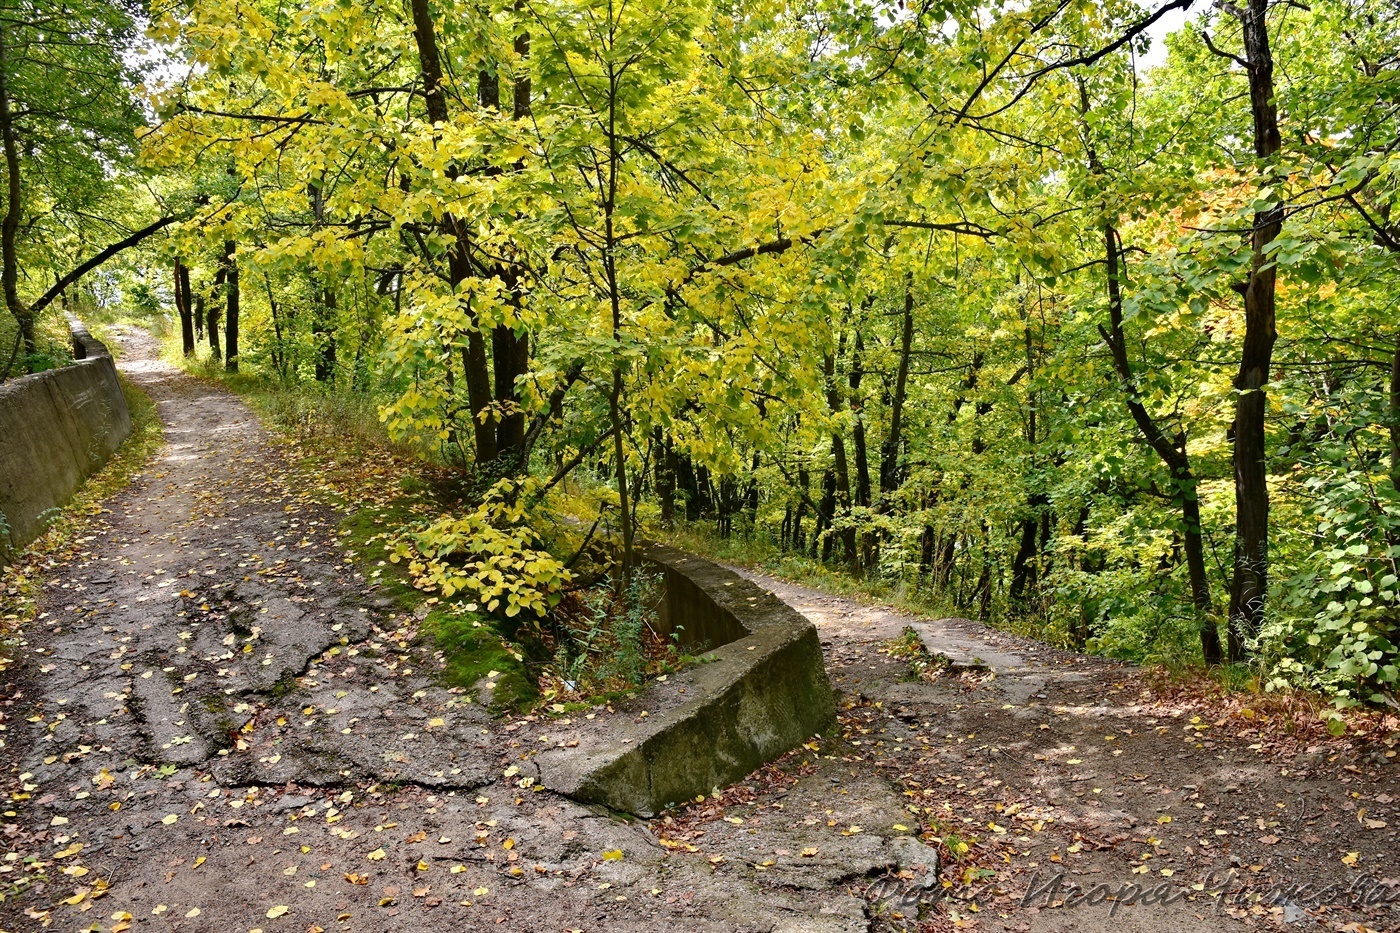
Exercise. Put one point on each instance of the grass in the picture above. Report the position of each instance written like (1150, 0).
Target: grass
(73, 523)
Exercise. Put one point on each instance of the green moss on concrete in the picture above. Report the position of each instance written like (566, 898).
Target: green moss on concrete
(472, 649)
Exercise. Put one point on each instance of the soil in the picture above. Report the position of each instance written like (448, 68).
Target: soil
(217, 724)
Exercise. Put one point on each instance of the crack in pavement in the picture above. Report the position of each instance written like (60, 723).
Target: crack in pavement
(217, 716)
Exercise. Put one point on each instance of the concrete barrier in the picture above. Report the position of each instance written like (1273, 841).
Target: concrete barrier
(56, 429)
(763, 693)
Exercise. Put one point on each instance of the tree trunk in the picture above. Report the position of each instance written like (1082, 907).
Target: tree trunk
(665, 476)
(9, 226)
(826, 514)
(799, 542)
(211, 323)
(841, 470)
(459, 267)
(182, 305)
(1171, 452)
(1251, 552)
(323, 329)
(231, 315)
(890, 473)
(511, 345)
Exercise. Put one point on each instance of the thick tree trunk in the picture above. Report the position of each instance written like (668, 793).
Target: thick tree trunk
(182, 306)
(1024, 577)
(1250, 586)
(234, 298)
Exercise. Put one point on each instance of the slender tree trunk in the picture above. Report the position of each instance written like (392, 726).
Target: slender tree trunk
(841, 469)
(323, 328)
(799, 542)
(279, 358)
(211, 323)
(1171, 452)
(182, 305)
(1251, 571)
(665, 476)
(868, 544)
(826, 515)
(890, 473)
(231, 314)
(615, 305)
(9, 226)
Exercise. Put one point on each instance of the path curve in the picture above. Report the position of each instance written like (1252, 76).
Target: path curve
(218, 726)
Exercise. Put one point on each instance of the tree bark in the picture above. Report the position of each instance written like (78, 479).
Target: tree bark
(1250, 585)
(841, 469)
(183, 306)
(9, 226)
(233, 299)
(890, 473)
(211, 324)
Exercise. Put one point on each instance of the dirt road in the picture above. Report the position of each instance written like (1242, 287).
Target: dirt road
(217, 725)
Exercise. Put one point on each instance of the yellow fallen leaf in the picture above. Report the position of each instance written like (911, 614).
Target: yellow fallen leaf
(169, 818)
(274, 912)
(376, 856)
(612, 855)
(482, 892)
(192, 913)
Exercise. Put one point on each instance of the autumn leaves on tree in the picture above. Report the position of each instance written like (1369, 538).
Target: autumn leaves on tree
(964, 298)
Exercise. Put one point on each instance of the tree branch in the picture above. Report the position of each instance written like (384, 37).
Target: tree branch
(98, 260)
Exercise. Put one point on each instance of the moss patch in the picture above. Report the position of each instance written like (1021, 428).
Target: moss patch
(471, 650)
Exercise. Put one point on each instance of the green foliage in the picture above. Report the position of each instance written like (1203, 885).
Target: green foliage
(831, 282)
(489, 554)
(603, 640)
(1349, 582)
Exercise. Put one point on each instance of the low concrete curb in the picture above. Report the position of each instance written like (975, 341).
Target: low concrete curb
(765, 693)
(56, 429)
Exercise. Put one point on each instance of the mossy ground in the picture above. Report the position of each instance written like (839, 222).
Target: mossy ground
(472, 650)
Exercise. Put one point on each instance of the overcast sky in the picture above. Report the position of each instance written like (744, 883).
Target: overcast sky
(1159, 31)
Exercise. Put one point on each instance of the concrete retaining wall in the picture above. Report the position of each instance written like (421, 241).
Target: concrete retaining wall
(764, 692)
(56, 429)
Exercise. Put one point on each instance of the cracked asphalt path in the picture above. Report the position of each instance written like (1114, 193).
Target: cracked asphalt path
(217, 725)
